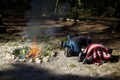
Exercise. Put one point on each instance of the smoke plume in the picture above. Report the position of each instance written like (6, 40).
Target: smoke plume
(37, 19)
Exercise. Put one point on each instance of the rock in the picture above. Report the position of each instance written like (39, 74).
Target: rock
(67, 19)
(12, 57)
(77, 20)
(22, 60)
(45, 59)
(30, 60)
(71, 19)
(37, 60)
(8, 56)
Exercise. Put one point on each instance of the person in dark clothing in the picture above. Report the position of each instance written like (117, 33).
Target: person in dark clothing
(75, 44)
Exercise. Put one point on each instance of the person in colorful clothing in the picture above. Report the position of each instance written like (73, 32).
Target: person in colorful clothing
(96, 53)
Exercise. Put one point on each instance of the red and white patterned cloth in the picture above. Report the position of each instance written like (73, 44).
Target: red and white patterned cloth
(97, 54)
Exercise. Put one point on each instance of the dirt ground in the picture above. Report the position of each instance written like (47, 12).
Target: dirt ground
(60, 67)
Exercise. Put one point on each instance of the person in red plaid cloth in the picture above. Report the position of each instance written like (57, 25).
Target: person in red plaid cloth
(95, 53)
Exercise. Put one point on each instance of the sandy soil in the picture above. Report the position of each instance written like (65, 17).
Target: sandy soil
(61, 67)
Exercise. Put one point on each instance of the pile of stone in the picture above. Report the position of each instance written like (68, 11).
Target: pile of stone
(19, 55)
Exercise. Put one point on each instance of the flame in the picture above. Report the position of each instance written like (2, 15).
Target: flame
(34, 51)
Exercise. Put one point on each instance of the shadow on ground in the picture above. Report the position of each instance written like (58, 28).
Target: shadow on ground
(30, 72)
(114, 58)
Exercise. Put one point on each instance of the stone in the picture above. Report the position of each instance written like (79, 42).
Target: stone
(30, 60)
(12, 57)
(45, 59)
(8, 56)
(37, 60)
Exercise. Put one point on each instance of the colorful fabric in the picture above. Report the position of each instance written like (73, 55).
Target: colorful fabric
(97, 54)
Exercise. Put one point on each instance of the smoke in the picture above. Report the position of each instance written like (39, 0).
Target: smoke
(37, 23)
(37, 19)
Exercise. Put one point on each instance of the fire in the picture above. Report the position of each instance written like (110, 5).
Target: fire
(34, 51)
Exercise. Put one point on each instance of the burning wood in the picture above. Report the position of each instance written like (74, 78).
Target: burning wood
(34, 51)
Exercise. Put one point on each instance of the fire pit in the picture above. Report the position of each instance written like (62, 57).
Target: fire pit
(35, 52)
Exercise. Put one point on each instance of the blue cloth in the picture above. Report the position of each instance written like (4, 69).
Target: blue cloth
(72, 45)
